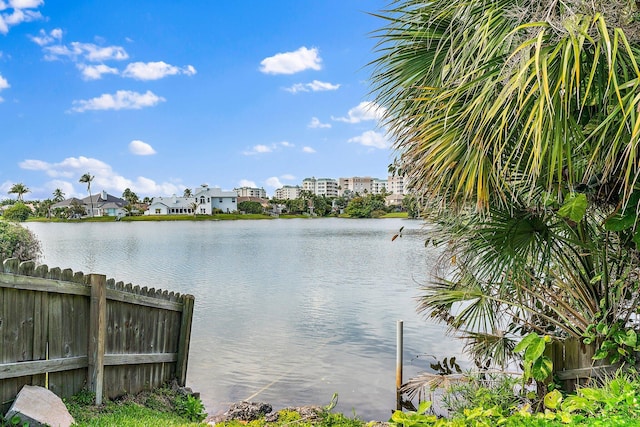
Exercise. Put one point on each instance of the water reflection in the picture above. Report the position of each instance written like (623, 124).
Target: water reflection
(287, 311)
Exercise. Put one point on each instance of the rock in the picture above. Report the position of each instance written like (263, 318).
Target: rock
(40, 407)
(247, 411)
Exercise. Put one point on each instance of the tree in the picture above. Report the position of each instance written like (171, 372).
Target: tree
(17, 212)
(44, 208)
(18, 242)
(516, 125)
(76, 210)
(130, 196)
(87, 178)
(19, 189)
(187, 193)
(250, 207)
(58, 195)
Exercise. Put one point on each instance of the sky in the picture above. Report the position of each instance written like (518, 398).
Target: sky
(161, 95)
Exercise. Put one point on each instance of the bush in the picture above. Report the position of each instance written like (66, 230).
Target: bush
(250, 207)
(484, 390)
(18, 242)
(18, 212)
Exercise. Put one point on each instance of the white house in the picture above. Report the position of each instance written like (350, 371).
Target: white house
(209, 199)
(172, 206)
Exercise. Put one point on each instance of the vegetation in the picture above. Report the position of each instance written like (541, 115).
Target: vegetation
(20, 189)
(250, 207)
(17, 212)
(86, 179)
(162, 407)
(516, 126)
(18, 242)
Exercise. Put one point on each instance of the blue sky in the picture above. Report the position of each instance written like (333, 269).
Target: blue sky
(158, 96)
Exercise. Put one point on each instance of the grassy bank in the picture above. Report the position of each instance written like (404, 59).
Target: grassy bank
(168, 407)
(216, 217)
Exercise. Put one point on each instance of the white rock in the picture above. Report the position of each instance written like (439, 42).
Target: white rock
(40, 407)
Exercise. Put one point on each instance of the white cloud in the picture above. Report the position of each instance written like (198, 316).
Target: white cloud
(261, 148)
(89, 51)
(141, 148)
(314, 86)
(274, 182)
(155, 70)
(25, 4)
(292, 62)
(371, 139)
(288, 177)
(121, 100)
(258, 149)
(308, 150)
(4, 84)
(95, 72)
(317, 124)
(247, 183)
(68, 172)
(21, 12)
(44, 39)
(365, 111)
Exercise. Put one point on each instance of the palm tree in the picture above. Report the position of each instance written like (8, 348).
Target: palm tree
(19, 189)
(187, 193)
(516, 125)
(58, 195)
(87, 178)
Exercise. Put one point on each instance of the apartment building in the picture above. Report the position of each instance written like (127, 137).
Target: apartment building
(288, 192)
(321, 186)
(356, 184)
(251, 192)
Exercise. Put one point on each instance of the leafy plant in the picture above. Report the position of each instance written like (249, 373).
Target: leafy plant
(619, 343)
(13, 422)
(190, 407)
(537, 366)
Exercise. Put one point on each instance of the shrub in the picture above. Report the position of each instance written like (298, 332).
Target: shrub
(18, 242)
(17, 212)
(190, 408)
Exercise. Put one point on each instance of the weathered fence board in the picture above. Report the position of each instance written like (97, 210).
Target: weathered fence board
(72, 331)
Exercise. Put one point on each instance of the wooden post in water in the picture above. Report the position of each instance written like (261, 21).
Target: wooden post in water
(399, 345)
(185, 338)
(97, 334)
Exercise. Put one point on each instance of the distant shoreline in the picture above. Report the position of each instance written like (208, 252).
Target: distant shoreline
(216, 217)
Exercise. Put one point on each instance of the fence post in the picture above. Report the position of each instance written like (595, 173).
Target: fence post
(97, 334)
(399, 357)
(185, 338)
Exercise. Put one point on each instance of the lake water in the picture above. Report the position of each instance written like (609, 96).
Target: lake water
(288, 311)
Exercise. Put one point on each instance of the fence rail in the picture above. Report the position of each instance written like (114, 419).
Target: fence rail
(68, 331)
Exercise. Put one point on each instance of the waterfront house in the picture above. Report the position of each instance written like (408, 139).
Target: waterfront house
(173, 205)
(205, 201)
(103, 204)
(212, 199)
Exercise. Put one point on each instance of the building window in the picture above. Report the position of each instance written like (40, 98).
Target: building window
(220, 200)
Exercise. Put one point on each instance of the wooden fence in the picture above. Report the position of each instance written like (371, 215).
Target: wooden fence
(573, 363)
(70, 331)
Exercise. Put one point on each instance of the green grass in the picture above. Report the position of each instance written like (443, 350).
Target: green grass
(395, 215)
(160, 407)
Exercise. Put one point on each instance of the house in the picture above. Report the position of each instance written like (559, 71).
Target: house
(212, 198)
(205, 201)
(172, 206)
(103, 204)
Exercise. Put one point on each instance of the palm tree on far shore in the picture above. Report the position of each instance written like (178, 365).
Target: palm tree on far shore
(19, 189)
(58, 195)
(87, 178)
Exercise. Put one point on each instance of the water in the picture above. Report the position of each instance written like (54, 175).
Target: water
(287, 312)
